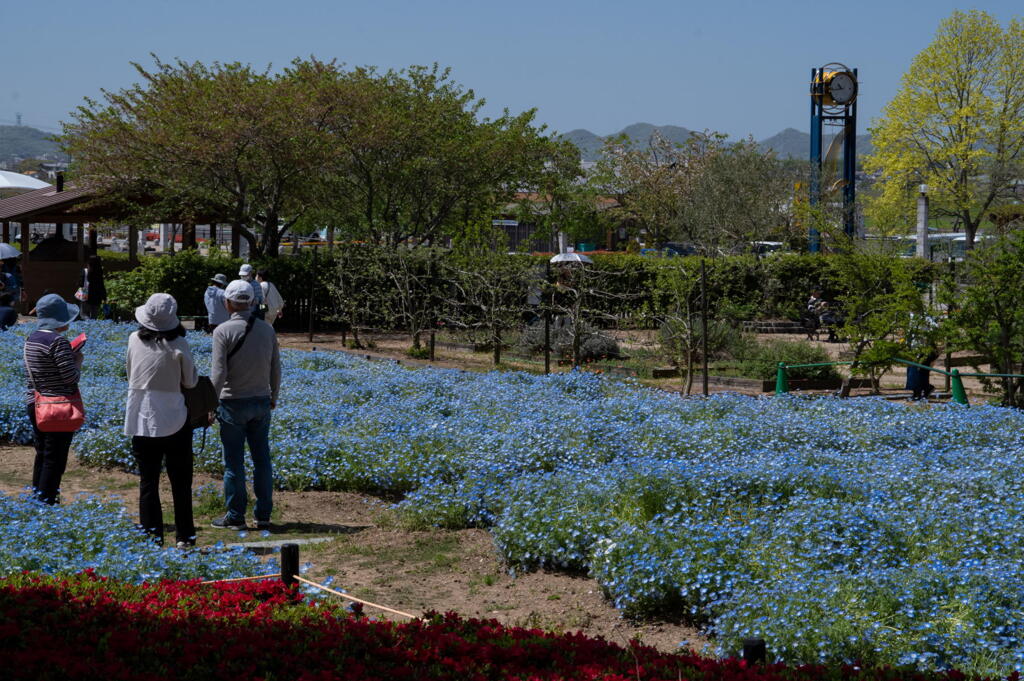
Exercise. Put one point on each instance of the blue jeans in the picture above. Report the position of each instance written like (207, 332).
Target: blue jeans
(242, 420)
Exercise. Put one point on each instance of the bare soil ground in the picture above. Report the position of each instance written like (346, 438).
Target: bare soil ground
(373, 557)
(396, 347)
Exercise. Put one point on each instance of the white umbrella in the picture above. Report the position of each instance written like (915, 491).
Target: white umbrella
(9, 180)
(8, 251)
(571, 257)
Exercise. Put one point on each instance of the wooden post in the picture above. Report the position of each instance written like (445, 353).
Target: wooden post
(7, 232)
(289, 563)
(330, 238)
(26, 244)
(133, 244)
(754, 650)
(704, 324)
(211, 242)
(547, 319)
(312, 295)
(236, 242)
(80, 229)
(94, 239)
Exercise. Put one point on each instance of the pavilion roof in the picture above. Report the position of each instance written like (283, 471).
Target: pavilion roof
(46, 205)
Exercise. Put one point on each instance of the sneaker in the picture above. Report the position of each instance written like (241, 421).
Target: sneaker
(226, 523)
(185, 545)
(262, 524)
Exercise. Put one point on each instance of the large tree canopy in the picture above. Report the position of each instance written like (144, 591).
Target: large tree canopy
(415, 161)
(387, 157)
(956, 125)
(710, 192)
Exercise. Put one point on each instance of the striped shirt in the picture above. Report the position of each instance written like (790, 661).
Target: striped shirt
(50, 365)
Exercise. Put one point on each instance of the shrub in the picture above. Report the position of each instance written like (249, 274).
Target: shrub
(594, 345)
(761, 360)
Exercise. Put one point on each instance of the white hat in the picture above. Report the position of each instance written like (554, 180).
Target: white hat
(245, 270)
(239, 291)
(159, 313)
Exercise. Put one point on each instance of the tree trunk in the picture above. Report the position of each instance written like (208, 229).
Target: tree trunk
(496, 339)
(271, 237)
(188, 236)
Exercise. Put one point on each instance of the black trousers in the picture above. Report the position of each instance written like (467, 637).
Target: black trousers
(51, 460)
(151, 453)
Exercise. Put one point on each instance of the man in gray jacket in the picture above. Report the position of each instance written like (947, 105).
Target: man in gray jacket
(246, 373)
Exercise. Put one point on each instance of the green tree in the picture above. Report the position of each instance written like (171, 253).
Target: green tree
(878, 301)
(717, 195)
(956, 125)
(486, 290)
(195, 142)
(565, 200)
(742, 194)
(415, 162)
(648, 184)
(987, 311)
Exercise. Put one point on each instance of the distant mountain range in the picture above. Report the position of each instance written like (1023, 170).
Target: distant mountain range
(790, 143)
(22, 141)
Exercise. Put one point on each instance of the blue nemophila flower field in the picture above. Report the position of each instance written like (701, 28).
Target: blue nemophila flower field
(837, 530)
(97, 535)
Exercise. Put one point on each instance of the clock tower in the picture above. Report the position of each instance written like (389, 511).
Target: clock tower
(834, 89)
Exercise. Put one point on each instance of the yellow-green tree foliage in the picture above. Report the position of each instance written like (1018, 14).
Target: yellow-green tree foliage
(956, 125)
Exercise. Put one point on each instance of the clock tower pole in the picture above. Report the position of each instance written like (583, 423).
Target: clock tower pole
(834, 90)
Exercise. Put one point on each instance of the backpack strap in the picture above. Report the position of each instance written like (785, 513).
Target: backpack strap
(238, 346)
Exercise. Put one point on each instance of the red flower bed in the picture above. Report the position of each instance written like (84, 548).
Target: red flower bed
(85, 627)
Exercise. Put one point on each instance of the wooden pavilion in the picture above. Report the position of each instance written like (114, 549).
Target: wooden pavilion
(67, 204)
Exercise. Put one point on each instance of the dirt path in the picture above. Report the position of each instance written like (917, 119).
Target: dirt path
(373, 557)
(395, 346)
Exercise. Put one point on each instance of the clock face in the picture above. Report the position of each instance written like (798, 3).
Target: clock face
(842, 88)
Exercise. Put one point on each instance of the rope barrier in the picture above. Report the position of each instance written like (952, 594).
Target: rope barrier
(349, 597)
(243, 579)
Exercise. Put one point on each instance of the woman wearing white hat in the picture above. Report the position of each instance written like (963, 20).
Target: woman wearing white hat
(159, 365)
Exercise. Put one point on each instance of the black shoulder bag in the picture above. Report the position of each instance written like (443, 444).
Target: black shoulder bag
(201, 400)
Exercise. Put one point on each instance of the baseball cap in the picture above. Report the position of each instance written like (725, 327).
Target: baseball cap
(239, 291)
(245, 270)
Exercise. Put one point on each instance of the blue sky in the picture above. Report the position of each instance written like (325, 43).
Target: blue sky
(739, 67)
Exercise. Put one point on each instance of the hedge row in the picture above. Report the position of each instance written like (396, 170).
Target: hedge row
(742, 287)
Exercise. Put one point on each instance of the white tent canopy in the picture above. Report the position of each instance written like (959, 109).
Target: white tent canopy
(9, 180)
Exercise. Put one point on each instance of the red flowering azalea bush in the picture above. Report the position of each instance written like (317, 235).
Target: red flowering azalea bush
(87, 627)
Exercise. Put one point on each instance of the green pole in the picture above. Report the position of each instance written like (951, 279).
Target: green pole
(959, 394)
(781, 382)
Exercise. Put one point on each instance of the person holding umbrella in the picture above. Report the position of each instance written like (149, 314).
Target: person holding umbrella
(10, 272)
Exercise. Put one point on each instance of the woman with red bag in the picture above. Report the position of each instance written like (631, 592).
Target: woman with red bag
(53, 369)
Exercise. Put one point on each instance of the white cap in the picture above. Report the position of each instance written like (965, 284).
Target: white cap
(159, 313)
(245, 270)
(239, 291)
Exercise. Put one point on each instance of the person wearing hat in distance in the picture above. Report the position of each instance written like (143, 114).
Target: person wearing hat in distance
(159, 365)
(247, 273)
(52, 368)
(246, 373)
(216, 313)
